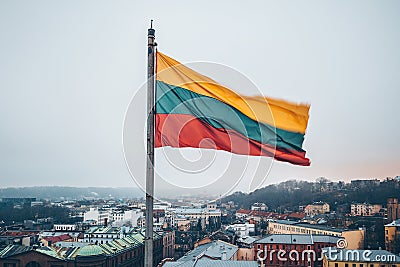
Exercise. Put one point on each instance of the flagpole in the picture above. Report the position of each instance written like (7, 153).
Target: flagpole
(148, 242)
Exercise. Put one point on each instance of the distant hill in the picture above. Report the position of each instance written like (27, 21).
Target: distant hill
(290, 194)
(70, 193)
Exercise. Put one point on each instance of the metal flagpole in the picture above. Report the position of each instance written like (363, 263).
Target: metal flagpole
(148, 242)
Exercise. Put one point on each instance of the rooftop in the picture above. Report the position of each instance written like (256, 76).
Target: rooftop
(313, 226)
(213, 249)
(394, 223)
(90, 250)
(297, 239)
(246, 240)
(57, 238)
(70, 250)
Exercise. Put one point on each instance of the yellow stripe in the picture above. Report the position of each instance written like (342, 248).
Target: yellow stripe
(279, 113)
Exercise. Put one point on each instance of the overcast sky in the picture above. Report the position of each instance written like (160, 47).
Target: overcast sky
(68, 71)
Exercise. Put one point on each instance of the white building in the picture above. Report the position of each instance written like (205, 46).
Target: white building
(102, 235)
(364, 209)
(131, 216)
(242, 229)
(194, 215)
(101, 216)
(119, 217)
(259, 206)
(64, 227)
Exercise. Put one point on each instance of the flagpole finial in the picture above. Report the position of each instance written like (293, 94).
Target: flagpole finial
(151, 32)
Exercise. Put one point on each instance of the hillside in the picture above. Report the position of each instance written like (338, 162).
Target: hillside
(290, 194)
(67, 193)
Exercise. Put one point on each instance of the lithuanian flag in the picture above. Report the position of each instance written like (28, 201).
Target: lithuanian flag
(193, 110)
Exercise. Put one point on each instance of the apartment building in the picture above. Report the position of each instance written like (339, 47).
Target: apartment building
(354, 238)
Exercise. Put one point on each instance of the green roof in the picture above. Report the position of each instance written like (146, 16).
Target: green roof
(90, 250)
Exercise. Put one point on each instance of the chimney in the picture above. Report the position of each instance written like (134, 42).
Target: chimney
(223, 256)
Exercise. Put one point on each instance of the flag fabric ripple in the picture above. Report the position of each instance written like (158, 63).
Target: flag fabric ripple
(192, 110)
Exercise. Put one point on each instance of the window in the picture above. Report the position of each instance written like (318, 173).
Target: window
(336, 264)
(346, 265)
(354, 265)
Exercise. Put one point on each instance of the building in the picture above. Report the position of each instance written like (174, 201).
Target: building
(127, 251)
(360, 258)
(392, 236)
(242, 214)
(39, 224)
(229, 205)
(259, 206)
(50, 240)
(195, 215)
(100, 216)
(364, 209)
(354, 238)
(131, 216)
(241, 229)
(64, 227)
(393, 209)
(246, 248)
(317, 208)
(217, 250)
(27, 238)
(101, 235)
(168, 244)
(258, 216)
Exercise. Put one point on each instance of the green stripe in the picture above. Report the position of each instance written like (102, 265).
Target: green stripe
(176, 100)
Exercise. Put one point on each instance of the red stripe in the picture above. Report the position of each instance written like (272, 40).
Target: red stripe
(182, 130)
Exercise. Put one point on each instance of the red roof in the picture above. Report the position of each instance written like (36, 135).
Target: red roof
(58, 238)
(264, 214)
(18, 233)
(297, 215)
(243, 211)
